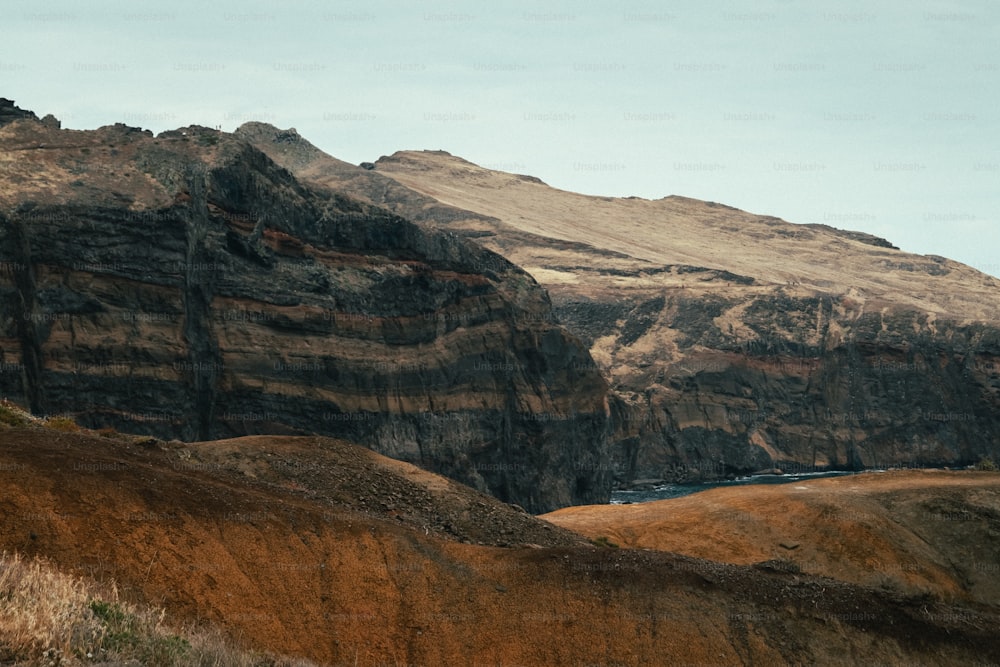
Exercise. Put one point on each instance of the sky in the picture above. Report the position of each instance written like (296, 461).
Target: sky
(873, 116)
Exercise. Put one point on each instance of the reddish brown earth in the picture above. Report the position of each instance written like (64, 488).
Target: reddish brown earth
(317, 548)
(916, 531)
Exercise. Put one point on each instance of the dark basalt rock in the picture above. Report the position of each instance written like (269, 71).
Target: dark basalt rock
(214, 295)
(870, 392)
(711, 381)
(9, 112)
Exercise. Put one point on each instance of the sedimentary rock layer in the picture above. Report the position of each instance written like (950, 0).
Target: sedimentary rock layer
(732, 342)
(186, 286)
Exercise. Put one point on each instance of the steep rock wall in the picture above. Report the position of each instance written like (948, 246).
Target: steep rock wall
(187, 287)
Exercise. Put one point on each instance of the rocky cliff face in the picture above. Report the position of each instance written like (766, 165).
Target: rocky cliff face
(734, 342)
(186, 286)
(823, 385)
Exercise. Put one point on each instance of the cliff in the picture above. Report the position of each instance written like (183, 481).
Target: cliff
(733, 342)
(185, 286)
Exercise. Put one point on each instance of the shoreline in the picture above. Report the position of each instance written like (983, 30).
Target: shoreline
(667, 490)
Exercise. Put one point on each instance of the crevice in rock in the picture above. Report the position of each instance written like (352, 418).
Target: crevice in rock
(203, 348)
(22, 306)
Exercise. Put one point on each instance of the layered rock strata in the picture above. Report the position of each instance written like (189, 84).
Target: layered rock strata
(186, 286)
(733, 342)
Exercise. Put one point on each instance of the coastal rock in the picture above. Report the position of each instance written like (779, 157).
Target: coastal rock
(732, 342)
(185, 286)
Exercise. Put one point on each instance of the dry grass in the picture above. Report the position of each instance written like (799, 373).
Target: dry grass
(50, 618)
(62, 423)
(678, 230)
(13, 415)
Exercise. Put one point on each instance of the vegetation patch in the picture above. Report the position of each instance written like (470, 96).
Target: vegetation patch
(50, 618)
(603, 541)
(986, 464)
(62, 423)
(12, 415)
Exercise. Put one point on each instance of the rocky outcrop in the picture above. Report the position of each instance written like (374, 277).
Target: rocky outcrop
(294, 152)
(185, 286)
(10, 112)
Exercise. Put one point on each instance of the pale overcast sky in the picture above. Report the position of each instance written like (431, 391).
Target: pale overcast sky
(877, 116)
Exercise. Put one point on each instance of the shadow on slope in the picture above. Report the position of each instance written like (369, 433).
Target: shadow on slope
(315, 548)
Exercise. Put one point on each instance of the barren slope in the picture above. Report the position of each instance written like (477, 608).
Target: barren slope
(678, 230)
(273, 540)
(917, 531)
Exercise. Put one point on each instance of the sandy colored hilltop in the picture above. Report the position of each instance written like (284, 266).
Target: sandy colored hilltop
(917, 531)
(639, 233)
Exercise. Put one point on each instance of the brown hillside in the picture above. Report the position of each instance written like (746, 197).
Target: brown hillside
(320, 549)
(918, 531)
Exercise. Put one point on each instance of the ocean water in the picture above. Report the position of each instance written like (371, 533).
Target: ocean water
(677, 490)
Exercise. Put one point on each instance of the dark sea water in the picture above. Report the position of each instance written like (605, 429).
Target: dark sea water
(677, 490)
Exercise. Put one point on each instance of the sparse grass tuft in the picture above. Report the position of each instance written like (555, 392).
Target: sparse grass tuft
(603, 541)
(12, 415)
(50, 618)
(987, 464)
(62, 423)
(120, 631)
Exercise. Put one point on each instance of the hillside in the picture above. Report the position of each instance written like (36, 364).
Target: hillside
(687, 232)
(733, 342)
(343, 413)
(320, 549)
(914, 531)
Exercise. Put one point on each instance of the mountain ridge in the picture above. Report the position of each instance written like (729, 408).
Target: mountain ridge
(435, 171)
(189, 285)
(736, 342)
